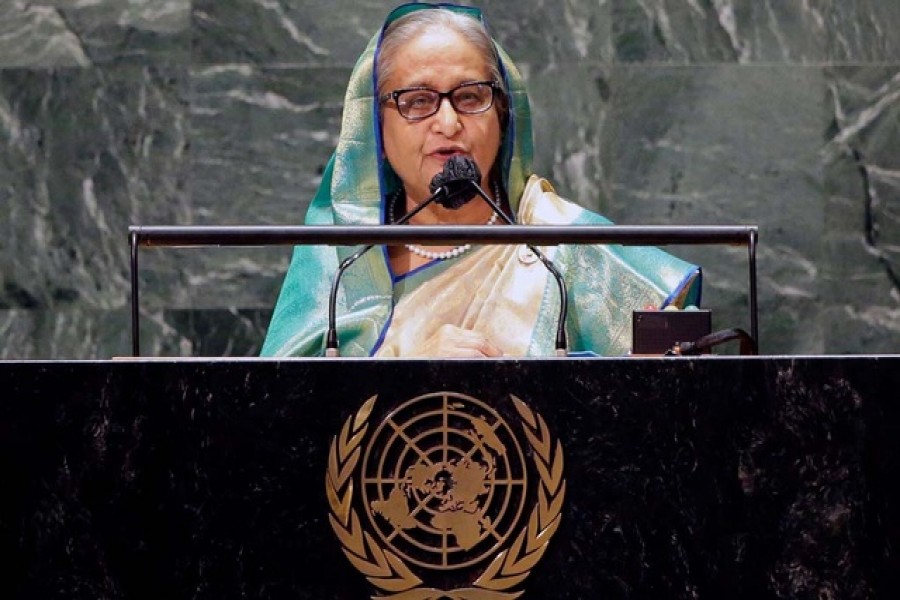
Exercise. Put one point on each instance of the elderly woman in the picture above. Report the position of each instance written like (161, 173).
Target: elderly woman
(433, 84)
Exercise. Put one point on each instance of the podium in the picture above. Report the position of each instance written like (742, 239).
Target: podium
(713, 477)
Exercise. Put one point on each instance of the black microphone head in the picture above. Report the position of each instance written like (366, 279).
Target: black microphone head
(456, 179)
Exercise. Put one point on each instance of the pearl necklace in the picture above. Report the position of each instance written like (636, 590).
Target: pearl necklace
(430, 255)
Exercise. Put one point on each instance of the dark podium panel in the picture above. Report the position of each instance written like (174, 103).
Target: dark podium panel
(685, 478)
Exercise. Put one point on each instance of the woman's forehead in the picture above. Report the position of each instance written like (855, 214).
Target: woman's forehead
(438, 56)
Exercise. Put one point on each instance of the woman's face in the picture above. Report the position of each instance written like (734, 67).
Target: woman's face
(440, 59)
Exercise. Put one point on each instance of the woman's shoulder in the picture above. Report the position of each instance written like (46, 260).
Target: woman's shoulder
(541, 205)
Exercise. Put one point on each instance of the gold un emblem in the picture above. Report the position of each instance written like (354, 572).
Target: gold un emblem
(449, 508)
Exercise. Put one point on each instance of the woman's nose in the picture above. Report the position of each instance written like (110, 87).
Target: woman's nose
(446, 119)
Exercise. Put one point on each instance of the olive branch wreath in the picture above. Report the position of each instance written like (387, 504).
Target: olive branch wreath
(387, 572)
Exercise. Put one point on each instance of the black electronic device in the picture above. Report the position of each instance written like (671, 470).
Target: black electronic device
(658, 331)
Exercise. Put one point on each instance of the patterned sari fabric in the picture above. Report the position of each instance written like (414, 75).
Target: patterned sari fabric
(501, 291)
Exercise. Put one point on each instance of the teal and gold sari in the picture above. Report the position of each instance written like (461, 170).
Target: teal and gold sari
(501, 291)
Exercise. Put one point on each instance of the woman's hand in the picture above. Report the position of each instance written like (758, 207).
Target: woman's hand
(453, 342)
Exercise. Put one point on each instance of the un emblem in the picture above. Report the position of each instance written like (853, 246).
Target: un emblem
(443, 481)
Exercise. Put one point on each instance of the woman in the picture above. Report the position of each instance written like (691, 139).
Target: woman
(432, 84)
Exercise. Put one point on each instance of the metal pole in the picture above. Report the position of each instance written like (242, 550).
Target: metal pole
(135, 313)
(543, 235)
(751, 259)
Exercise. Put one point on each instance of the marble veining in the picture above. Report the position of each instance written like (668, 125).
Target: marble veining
(782, 114)
(80, 33)
(863, 184)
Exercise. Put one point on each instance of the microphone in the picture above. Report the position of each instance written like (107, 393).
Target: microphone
(459, 172)
(448, 188)
(467, 175)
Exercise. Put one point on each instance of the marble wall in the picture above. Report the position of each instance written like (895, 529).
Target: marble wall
(781, 113)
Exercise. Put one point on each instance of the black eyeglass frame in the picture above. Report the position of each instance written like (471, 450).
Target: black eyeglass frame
(493, 85)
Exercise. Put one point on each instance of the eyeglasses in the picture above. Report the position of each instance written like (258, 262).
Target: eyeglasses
(417, 103)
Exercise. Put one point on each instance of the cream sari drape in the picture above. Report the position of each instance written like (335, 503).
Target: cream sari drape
(494, 291)
(498, 291)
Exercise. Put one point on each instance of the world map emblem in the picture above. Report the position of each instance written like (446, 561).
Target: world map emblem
(450, 504)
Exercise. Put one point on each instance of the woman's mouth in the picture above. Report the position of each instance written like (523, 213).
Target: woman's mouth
(448, 151)
(444, 154)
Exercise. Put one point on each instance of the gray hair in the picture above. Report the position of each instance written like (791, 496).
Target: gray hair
(407, 27)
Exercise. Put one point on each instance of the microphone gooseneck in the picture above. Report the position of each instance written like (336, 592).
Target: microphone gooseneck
(447, 187)
(456, 185)
(562, 343)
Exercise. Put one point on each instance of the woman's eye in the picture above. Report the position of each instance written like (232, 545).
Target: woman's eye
(418, 100)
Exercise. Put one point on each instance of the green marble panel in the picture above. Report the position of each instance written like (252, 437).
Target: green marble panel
(87, 152)
(118, 112)
(861, 266)
(730, 145)
(67, 33)
(741, 31)
(569, 106)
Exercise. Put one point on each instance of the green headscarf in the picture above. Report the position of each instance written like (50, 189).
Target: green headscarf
(359, 178)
